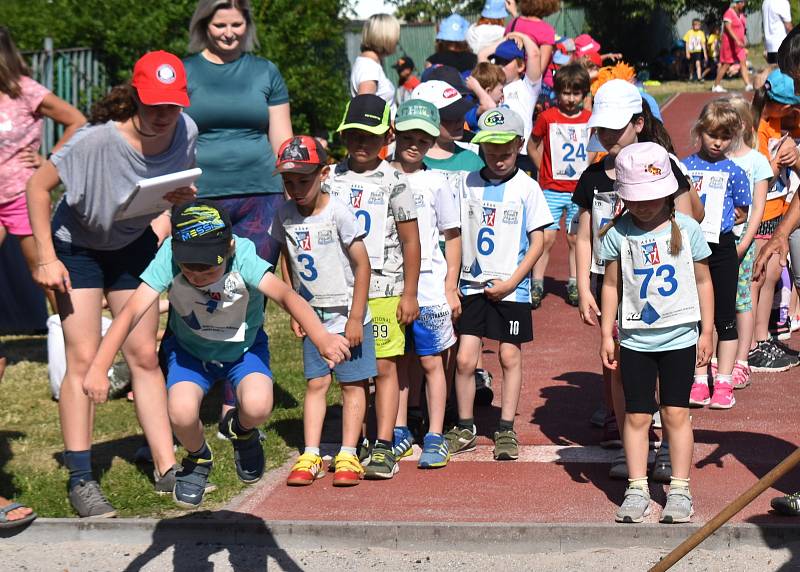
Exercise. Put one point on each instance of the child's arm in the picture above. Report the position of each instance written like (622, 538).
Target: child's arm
(545, 54)
(535, 149)
(333, 348)
(587, 305)
(359, 260)
(609, 302)
(756, 212)
(705, 293)
(96, 384)
(485, 102)
(689, 203)
(499, 289)
(408, 232)
(484, 53)
(533, 66)
(452, 254)
(286, 276)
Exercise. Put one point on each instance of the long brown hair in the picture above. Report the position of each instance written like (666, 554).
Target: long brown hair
(12, 65)
(119, 105)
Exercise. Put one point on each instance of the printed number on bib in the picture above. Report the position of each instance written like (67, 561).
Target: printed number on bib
(315, 259)
(568, 154)
(490, 239)
(666, 272)
(711, 187)
(371, 206)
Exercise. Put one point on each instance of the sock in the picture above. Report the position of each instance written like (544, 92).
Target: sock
(713, 360)
(311, 450)
(676, 483)
(701, 379)
(351, 450)
(202, 455)
(722, 378)
(640, 483)
(79, 464)
(504, 425)
(466, 423)
(743, 363)
(572, 281)
(236, 425)
(386, 444)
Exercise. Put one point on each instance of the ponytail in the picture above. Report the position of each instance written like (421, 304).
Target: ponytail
(760, 99)
(119, 105)
(676, 238)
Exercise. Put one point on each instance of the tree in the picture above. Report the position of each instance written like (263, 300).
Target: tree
(434, 10)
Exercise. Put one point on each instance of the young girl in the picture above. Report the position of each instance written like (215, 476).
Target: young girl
(725, 191)
(657, 258)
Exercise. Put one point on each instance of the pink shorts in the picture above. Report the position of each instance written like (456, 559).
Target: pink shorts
(730, 53)
(14, 216)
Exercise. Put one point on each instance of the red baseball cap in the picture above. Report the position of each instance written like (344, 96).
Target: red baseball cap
(301, 154)
(160, 79)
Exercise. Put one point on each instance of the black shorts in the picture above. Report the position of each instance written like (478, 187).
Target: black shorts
(772, 58)
(509, 322)
(674, 370)
(108, 269)
(696, 57)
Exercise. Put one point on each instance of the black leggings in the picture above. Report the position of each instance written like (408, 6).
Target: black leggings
(674, 369)
(724, 267)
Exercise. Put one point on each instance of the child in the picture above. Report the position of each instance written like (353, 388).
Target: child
(558, 149)
(712, 49)
(416, 128)
(383, 203)
(657, 259)
(503, 216)
(323, 245)
(696, 53)
(529, 22)
(486, 82)
(725, 191)
(216, 286)
(406, 79)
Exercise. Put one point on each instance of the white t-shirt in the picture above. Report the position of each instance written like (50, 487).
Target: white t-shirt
(774, 14)
(366, 69)
(437, 211)
(520, 96)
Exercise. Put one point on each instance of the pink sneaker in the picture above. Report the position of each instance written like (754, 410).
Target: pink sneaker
(723, 396)
(741, 376)
(699, 395)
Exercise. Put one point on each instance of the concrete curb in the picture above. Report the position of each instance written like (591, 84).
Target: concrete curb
(235, 528)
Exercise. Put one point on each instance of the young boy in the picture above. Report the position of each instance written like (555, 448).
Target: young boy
(322, 243)
(486, 83)
(558, 148)
(503, 216)
(384, 205)
(416, 127)
(696, 54)
(406, 80)
(216, 284)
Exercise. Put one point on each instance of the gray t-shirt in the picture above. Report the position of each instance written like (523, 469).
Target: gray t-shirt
(100, 170)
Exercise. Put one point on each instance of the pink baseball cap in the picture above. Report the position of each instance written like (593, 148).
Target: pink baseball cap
(644, 173)
(585, 44)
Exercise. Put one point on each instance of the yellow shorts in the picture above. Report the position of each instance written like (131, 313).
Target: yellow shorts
(390, 335)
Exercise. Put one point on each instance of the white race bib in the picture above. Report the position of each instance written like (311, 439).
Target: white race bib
(490, 239)
(658, 289)
(424, 225)
(711, 186)
(568, 154)
(371, 207)
(316, 265)
(604, 208)
(216, 312)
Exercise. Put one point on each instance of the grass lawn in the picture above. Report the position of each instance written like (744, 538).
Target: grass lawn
(31, 445)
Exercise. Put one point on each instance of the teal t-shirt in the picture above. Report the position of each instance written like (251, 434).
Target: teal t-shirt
(462, 160)
(218, 322)
(230, 104)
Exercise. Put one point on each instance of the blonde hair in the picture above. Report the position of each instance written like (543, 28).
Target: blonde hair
(742, 107)
(204, 13)
(675, 239)
(381, 34)
(719, 118)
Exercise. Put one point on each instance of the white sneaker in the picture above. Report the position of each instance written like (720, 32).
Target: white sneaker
(719, 89)
(748, 87)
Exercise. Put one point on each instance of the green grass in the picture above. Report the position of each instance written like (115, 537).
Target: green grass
(31, 445)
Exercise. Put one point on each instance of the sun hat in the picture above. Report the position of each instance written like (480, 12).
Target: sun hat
(780, 88)
(453, 29)
(417, 114)
(451, 104)
(494, 9)
(585, 44)
(644, 173)
(615, 103)
(300, 154)
(160, 79)
(499, 125)
(366, 112)
(505, 52)
(201, 233)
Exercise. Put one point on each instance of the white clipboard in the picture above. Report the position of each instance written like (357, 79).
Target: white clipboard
(148, 196)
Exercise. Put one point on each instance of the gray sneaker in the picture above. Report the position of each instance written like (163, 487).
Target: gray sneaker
(619, 466)
(506, 445)
(88, 500)
(635, 507)
(461, 440)
(679, 507)
(662, 467)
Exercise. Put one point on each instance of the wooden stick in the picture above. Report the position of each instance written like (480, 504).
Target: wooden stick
(727, 513)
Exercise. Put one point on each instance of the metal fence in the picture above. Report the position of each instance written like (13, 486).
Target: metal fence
(74, 74)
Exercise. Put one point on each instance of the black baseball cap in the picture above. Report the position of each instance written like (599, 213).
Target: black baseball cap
(366, 112)
(201, 233)
(403, 63)
(447, 74)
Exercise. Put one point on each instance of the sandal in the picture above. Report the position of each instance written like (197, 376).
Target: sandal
(5, 523)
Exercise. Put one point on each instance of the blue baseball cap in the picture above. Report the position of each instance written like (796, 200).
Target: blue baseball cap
(494, 9)
(453, 29)
(780, 88)
(506, 52)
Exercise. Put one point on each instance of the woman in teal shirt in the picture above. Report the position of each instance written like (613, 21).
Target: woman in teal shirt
(241, 106)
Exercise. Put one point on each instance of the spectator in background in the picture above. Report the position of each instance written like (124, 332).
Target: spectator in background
(712, 49)
(529, 22)
(696, 54)
(777, 19)
(408, 81)
(379, 38)
(734, 46)
(490, 27)
(452, 48)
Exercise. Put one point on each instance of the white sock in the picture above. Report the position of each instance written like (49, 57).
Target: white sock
(311, 450)
(701, 379)
(722, 378)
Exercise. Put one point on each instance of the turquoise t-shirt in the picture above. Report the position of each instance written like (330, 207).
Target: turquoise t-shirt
(462, 160)
(656, 339)
(218, 322)
(230, 104)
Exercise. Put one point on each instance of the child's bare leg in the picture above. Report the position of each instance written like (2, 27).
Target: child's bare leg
(468, 352)
(387, 395)
(511, 362)
(436, 390)
(254, 398)
(681, 439)
(354, 408)
(636, 443)
(183, 405)
(314, 408)
(571, 239)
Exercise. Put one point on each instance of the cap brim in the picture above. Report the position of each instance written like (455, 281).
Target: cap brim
(455, 110)
(163, 97)
(412, 124)
(374, 129)
(649, 190)
(594, 145)
(294, 167)
(207, 253)
(497, 137)
(609, 119)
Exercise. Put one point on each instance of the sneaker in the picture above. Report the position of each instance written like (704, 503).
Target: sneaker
(363, 451)
(795, 324)
(768, 358)
(788, 505)
(435, 453)
(484, 395)
(506, 446)
(611, 437)
(461, 440)
(699, 395)
(402, 442)
(537, 293)
(748, 87)
(719, 89)
(248, 454)
(572, 293)
(776, 343)
(598, 418)
(619, 466)
(741, 376)
(635, 507)
(723, 396)
(88, 500)
(382, 463)
(679, 507)
(657, 420)
(190, 482)
(165, 484)
(662, 467)
(306, 470)
(347, 470)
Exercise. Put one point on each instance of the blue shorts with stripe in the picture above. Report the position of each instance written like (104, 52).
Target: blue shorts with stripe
(558, 202)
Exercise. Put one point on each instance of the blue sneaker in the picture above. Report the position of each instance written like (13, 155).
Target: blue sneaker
(435, 452)
(402, 442)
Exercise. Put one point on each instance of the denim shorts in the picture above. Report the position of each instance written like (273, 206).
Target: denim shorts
(359, 367)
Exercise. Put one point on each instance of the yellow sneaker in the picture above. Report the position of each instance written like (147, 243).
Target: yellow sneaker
(306, 470)
(348, 470)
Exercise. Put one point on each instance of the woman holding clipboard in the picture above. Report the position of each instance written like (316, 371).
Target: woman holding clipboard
(91, 249)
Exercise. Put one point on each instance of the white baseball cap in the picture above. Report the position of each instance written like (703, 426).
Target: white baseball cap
(450, 103)
(615, 103)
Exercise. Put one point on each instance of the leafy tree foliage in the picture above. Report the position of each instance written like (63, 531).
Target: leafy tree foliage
(434, 10)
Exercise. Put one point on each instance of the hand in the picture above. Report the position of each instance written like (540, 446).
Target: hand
(407, 309)
(705, 349)
(31, 159)
(777, 245)
(499, 289)
(298, 329)
(607, 350)
(52, 275)
(587, 307)
(517, 37)
(740, 215)
(96, 386)
(788, 153)
(614, 57)
(454, 301)
(181, 195)
(333, 349)
(354, 332)
(472, 84)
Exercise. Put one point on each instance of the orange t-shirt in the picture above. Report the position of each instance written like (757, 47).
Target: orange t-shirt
(769, 130)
